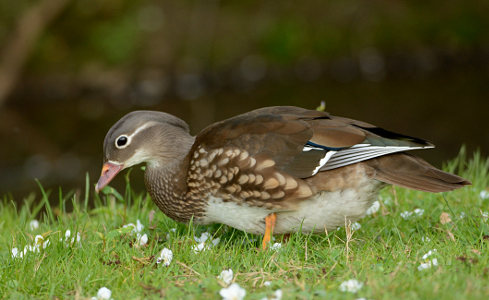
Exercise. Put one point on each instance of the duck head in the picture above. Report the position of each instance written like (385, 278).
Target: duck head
(151, 137)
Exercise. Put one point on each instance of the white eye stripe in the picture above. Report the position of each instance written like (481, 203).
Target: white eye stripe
(129, 137)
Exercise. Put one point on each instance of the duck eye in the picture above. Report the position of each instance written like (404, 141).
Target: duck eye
(121, 141)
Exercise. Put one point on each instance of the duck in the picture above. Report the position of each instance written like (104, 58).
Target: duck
(273, 170)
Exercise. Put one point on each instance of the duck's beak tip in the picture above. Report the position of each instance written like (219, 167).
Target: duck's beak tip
(109, 171)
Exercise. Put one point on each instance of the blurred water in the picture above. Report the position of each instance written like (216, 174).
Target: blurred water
(58, 139)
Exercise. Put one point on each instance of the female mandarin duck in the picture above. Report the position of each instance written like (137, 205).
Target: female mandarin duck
(271, 170)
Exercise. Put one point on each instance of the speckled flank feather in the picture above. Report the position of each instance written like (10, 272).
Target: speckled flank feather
(329, 208)
(233, 175)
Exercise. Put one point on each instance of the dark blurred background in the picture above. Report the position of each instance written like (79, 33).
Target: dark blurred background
(70, 69)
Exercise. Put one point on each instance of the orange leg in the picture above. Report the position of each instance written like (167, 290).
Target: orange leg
(269, 225)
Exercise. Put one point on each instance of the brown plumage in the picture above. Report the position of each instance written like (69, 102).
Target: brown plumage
(412, 172)
(308, 168)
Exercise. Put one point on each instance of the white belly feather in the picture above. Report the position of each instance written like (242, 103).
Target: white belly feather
(323, 210)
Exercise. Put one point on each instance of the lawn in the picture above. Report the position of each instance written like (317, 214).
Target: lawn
(390, 253)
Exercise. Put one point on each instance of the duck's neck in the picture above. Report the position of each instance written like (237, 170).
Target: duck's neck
(166, 182)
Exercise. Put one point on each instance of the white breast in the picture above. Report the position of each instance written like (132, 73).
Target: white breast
(243, 217)
(323, 210)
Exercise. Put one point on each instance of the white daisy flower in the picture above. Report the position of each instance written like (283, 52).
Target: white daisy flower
(267, 283)
(484, 195)
(233, 292)
(16, 253)
(202, 240)
(226, 276)
(39, 242)
(356, 226)
(427, 265)
(129, 225)
(424, 266)
(216, 241)
(277, 295)
(142, 239)
(203, 237)
(351, 286)
(33, 225)
(200, 247)
(76, 239)
(373, 209)
(276, 246)
(138, 228)
(165, 258)
(38, 239)
(70, 240)
(406, 214)
(387, 200)
(431, 252)
(419, 212)
(103, 294)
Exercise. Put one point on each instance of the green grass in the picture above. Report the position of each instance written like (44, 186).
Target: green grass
(384, 254)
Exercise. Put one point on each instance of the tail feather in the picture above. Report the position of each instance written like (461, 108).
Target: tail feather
(412, 172)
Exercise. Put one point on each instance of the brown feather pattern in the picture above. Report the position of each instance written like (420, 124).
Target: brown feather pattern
(242, 159)
(234, 175)
(258, 159)
(412, 172)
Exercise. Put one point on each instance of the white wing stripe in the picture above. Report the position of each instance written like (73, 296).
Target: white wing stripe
(309, 148)
(323, 161)
(339, 163)
(362, 152)
(386, 149)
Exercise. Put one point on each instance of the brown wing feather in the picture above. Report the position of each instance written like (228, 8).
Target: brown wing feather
(281, 133)
(335, 134)
(258, 157)
(412, 172)
(267, 147)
